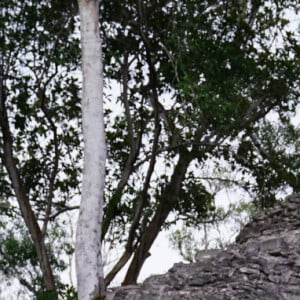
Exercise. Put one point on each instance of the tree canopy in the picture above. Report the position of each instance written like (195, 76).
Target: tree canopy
(40, 145)
(203, 84)
(200, 80)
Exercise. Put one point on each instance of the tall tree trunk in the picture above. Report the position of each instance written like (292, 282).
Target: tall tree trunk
(152, 231)
(9, 161)
(89, 267)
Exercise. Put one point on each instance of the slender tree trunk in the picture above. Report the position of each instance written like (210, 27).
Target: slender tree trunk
(89, 267)
(142, 251)
(152, 231)
(28, 215)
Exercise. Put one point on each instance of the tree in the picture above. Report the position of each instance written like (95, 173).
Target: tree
(200, 83)
(225, 69)
(90, 278)
(39, 146)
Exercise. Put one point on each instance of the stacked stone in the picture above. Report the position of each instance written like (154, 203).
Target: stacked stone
(285, 216)
(264, 264)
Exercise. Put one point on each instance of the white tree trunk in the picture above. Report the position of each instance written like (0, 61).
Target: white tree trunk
(89, 267)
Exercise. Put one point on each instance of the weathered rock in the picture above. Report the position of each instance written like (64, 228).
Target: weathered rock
(263, 264)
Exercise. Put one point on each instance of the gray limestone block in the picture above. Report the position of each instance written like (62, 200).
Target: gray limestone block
(264, 264)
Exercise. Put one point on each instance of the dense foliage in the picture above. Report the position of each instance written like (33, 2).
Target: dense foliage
(204, 84)
(40, 145)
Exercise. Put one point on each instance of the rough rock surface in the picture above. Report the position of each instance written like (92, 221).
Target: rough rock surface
(264, 263)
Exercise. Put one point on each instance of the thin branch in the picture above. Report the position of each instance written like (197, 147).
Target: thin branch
(143, 199)
(42, 95)
(225, 180)
(62, 210)
(112, 207)
(126, 102)
(27, 212)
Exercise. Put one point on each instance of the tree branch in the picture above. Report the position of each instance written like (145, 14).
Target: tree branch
(62, 210)
(28, 215)
(52, 177)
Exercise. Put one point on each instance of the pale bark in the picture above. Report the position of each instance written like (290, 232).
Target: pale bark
(89, 268)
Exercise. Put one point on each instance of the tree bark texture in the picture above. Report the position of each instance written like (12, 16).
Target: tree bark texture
(89, 268)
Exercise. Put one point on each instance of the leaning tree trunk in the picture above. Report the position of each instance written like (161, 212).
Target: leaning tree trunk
(9, 162)
(152, 231)
(89, 268)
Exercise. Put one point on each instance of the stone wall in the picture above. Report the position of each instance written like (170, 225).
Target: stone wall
(264, 263)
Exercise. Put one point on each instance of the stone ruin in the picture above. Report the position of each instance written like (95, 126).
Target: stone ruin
(263, 264)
